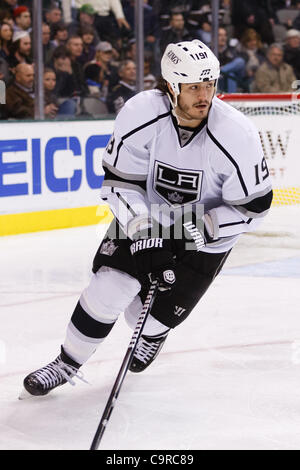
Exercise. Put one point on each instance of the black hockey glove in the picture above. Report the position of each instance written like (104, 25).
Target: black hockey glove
(154, 260)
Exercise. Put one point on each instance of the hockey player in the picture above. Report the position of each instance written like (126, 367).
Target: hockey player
(200, 164)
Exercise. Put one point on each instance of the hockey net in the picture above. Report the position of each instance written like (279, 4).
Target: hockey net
(277, 117)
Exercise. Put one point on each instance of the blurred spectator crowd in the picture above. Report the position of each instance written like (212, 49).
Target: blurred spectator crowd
(89, 50)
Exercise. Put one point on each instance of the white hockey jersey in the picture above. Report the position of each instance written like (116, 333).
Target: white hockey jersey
(150, 160)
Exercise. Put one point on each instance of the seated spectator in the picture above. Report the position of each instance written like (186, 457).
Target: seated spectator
(232, 65)
(65, 81)
(20, 50)
(53, 106)
(20, 94)
(53, 15)
(86, 17)
(50, 100)
(254, 14)
(65, 88)
(104, 54)
(48, 48)
(97, 84)
(175, 32)
(292, 50)
(7, 18)
(59, 34)
(125, 89)
(22, 19)
(89, 51)
(75, 48)
(274, 75)
(109, 18)
(6, 35)
(252, 51)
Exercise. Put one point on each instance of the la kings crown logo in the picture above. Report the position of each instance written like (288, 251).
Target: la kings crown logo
(108, 247)
(177, 186)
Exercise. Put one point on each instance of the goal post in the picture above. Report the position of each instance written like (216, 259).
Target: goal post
(277, 118)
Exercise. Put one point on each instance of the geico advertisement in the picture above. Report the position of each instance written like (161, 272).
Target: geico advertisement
(51, 165)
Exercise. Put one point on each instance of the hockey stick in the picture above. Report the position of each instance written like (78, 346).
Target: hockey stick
(125, 365)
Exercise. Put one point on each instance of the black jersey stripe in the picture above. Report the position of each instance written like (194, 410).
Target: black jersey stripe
(232, 161)
(126, 204)
(161, 116)
(116, 218)
(118, 150)
(109, 176)
(259, 204)
(137, 129)
(231, 223)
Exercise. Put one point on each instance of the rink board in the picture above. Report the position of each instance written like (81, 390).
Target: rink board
(13, 224)
(51, 172)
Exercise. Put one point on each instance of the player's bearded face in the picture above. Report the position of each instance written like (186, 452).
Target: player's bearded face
(195, 99)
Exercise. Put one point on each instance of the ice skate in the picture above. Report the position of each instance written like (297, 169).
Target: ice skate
(56, 373)
(147, 349)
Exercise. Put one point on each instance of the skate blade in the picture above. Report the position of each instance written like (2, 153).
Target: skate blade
(24, 395)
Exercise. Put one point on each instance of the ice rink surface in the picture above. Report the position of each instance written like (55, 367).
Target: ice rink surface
(227, 378)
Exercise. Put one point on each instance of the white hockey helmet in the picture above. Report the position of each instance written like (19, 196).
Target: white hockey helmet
(189, 62)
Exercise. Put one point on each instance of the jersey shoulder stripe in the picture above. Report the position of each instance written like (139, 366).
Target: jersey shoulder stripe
(137, 129)
(238, 139)
(147, 104)
(227, 154)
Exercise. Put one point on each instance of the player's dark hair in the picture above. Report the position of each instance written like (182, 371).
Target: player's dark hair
(163, 87)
